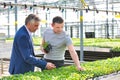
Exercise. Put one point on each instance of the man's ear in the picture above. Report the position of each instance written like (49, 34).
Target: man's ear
(28, 23)
(52, 24)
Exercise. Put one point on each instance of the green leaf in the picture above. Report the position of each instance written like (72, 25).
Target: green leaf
(45, 45)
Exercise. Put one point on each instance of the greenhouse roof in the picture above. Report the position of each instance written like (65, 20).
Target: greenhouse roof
(93, 4)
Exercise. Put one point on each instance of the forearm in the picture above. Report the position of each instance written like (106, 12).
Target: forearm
(75, 58)
(41, 46)
(36, 62)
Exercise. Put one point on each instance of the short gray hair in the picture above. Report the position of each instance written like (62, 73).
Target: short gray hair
(31, 18)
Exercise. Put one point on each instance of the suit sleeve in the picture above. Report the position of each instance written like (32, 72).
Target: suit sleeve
(26, 51)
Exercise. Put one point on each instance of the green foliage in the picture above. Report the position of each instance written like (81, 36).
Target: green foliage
(114, 44)
(115, 49)
(37, 41)
(92, 70)
(99, 42)
(45, 45)
(21, 77)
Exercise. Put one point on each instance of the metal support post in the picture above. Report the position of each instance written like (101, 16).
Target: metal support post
(1, 62)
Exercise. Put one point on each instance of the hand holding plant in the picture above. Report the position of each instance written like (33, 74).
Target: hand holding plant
(47, 47)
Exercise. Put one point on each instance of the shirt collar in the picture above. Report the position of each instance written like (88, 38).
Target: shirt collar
(28, 31)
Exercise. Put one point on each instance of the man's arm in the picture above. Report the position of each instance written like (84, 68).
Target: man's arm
(26, 52)
(41, 46)
(74, 56)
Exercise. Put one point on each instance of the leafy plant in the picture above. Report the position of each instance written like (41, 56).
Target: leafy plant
(92, 70)
(115, 49)
(47, 47)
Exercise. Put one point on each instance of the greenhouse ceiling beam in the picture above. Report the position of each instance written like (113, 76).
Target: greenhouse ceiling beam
(55, 7)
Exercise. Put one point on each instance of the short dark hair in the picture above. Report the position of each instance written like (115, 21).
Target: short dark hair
(57, 19)
(31, 17)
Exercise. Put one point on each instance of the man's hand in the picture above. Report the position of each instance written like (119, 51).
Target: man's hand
(50, 66)
(79, 68)
(41, 48)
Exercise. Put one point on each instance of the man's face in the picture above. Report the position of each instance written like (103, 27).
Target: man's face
(33, 26)
(58, 27)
